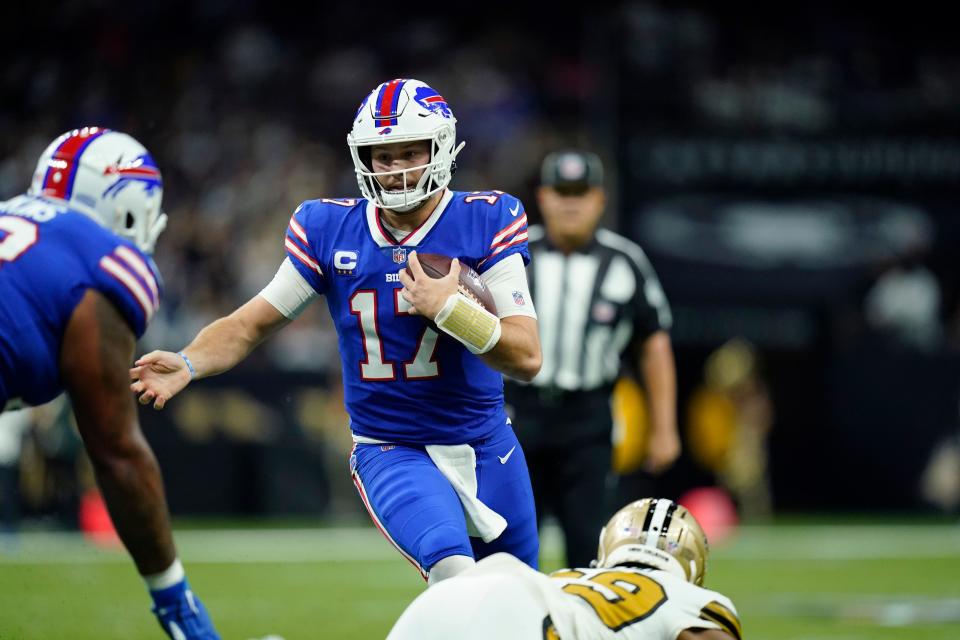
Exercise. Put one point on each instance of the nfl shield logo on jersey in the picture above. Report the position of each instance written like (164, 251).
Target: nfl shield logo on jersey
(518, 299)
(400, 255)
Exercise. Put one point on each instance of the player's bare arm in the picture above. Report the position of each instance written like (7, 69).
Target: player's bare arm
(517, 352)
(221, 345)
(659, 376)
(97, 348)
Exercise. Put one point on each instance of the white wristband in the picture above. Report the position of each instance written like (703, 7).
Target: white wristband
(469, 323)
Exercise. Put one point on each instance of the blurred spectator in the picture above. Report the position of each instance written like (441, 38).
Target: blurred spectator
(729, 420)
(940, 482)
(903, 305)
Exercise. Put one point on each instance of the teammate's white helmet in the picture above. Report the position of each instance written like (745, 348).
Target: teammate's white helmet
(655, 532)
(108, 176)
(403, 111)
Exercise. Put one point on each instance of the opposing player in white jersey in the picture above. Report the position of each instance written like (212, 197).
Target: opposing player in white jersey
(647, 584)
(436, 461)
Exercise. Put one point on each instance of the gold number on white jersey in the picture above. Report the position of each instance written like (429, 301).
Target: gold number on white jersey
(626, 598)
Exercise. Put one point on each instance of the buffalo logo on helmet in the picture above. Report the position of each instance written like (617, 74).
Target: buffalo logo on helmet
(142, 170)
(429, 99)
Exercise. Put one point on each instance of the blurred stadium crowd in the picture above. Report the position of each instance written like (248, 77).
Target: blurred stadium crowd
(246, 105)
(247, 117)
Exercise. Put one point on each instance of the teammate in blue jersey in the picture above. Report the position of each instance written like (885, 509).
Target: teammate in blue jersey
(77, 288)
(435, 459)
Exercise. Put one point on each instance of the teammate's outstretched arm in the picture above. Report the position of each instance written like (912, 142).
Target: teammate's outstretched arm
(160, 375)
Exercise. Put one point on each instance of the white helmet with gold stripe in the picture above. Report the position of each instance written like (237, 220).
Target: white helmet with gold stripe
(658, 533)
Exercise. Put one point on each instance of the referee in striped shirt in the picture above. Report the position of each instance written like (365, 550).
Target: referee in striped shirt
(599, 303)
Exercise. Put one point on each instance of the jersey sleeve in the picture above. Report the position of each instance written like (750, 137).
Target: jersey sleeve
(721, 612)
(288, 292)
(693, 607)
(651, 309)
(131, 281)
(300, 245)
(507, 281)
(508, 232)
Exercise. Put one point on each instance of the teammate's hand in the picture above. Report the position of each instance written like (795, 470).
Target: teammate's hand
(663, 449)
(428, 295)
(158, 376)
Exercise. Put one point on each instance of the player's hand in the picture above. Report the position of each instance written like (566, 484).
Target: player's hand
(425, 294)
(158, 376)
(663, 449)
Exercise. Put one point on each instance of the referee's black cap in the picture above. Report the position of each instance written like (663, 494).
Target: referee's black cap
(571, 171)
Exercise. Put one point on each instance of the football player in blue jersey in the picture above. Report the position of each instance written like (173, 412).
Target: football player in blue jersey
(78, 288)
(435, 459)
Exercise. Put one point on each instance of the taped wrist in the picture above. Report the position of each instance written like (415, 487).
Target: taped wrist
(468, 322)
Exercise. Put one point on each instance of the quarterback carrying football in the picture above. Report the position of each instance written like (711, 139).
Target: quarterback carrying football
(435, 459)
(78, 288)
(646, 584)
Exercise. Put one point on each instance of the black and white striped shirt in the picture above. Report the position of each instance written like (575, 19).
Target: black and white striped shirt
(591, 304)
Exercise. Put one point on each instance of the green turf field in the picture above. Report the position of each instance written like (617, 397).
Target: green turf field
(820, 582)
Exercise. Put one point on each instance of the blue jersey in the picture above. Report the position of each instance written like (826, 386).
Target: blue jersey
(49, 257)
(404, 382)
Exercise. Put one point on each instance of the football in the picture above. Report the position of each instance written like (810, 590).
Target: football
(471, 285)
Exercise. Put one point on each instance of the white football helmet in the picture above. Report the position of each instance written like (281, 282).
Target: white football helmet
(402, 111)
(108, 176)
(658, 533)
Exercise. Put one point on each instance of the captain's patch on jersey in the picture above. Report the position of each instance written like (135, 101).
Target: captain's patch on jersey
(345, 262)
